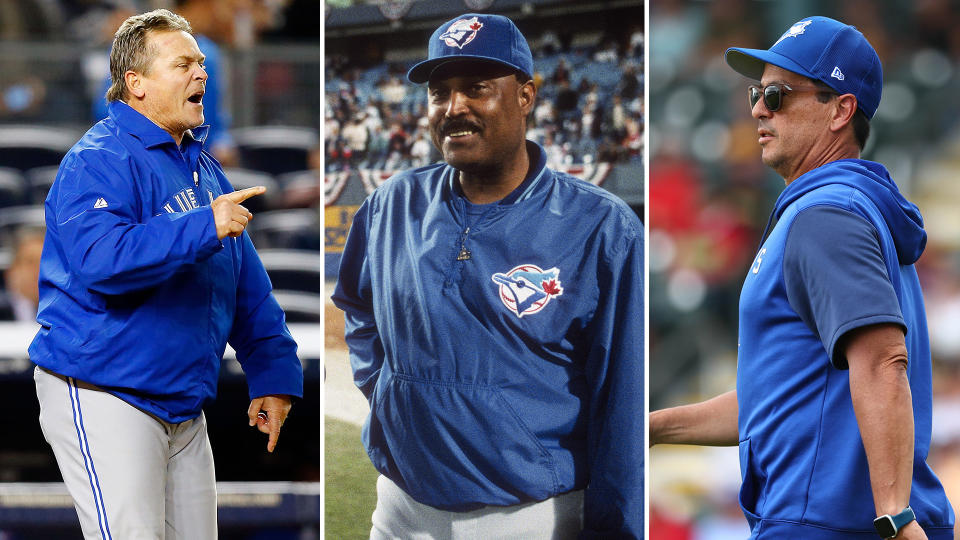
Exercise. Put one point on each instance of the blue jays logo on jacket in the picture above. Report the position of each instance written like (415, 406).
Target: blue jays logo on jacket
(527, 289)
(461, 32)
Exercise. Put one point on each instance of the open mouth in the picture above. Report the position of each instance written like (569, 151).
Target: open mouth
(196, 98)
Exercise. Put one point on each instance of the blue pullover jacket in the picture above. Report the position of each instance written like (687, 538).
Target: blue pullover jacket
(840, 257)
(501, 346)
(137, 294)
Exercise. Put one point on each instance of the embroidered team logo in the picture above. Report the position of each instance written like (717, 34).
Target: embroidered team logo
(461, 32)
(526, 289)
(794, 30)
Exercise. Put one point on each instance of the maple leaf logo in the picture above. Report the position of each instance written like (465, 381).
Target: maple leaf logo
(476, 26)
(551, 287)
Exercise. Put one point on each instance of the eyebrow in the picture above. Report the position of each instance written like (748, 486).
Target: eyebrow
(189, 58)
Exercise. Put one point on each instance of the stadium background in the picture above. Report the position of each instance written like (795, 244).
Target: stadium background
(710, 197)
(53, 60)
(588, 58)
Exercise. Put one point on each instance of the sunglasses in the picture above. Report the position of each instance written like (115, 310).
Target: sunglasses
(773, 94)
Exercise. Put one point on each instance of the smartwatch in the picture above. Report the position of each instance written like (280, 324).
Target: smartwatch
(888, 526)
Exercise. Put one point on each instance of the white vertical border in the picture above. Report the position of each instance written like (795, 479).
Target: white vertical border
(322, 96)
(646, 266)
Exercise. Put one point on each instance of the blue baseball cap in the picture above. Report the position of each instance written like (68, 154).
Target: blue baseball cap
(825, 50)
(475, 36)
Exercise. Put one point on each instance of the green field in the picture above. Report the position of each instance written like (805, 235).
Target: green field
(350, 490)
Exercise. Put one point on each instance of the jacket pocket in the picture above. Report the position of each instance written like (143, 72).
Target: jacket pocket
(753, 480)
(457, 445)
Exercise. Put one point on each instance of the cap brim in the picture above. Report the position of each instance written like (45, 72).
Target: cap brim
(420, 73)
(750, 62)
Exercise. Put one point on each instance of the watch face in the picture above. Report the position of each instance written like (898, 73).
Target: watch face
(885, 527)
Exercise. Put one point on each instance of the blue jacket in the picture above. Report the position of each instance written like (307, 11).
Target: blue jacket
(137, 294)
(804, 469)
(503, 359)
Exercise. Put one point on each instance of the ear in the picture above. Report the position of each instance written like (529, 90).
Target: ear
(134, 84)
(526, 95)
(846, 107)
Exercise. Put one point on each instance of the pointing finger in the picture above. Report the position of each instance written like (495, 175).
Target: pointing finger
(244, 194)
(274, 425)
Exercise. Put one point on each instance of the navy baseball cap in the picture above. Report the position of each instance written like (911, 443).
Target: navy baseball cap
(825, 50)
(475, 36)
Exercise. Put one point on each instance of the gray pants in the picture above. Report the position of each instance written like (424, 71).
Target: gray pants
(399, 516)
(130, 474)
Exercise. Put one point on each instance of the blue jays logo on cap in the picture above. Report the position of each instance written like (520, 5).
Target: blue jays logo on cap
(526, 289)
(461, 32)
(794, 30)
(499, 41)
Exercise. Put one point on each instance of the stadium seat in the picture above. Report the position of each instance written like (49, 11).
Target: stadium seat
(301, 189)
(293, 270)
(246, 178)
(275, 149)
(287, 229)
(13, 188)
(39, 181)
(26, 147)
(301, 307)
(15, 217)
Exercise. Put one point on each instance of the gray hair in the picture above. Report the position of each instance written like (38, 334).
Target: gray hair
(129, 51)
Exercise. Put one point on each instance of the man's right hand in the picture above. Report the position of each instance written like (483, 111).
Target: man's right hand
(230, 217)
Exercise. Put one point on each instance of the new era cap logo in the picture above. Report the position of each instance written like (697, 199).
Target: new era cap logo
(794, 31)
(101, 203)
(461, 32)
(837, 74)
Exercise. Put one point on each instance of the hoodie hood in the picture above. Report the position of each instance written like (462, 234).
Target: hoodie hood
(902, 216)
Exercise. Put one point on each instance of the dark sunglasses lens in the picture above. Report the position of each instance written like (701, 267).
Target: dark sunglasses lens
(753, 94)
(772, 96)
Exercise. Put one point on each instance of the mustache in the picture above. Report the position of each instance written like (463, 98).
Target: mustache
(452, 126)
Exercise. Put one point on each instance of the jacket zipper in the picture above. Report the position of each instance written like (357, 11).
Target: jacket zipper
(464, 252)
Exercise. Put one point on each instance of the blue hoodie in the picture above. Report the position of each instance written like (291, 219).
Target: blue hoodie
(840, 257)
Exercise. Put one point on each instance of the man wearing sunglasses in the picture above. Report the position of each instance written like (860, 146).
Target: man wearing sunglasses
(832, 409)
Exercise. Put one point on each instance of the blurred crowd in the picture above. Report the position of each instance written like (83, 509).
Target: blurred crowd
(710, 197)
(589, 106)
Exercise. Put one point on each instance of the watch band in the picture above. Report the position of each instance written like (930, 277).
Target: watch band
(889, 526)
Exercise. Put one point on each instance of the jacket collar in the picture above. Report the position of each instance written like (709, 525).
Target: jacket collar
(141, 127)
(521, 192)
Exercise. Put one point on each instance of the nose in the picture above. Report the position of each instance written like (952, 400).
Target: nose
(457, 105)
(760, 110)
(199, 73)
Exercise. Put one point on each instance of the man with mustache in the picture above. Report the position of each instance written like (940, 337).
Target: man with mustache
(494, 315)
(146, 274)
(832, 409)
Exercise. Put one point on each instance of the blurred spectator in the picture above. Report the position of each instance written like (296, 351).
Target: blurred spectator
(19, 300)
(562, 73)
(21, 98)
(356, 135)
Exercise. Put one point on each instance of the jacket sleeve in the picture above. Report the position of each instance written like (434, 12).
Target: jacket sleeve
(613, 500)
(110, 250)
(265, 348)
(353, 295)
